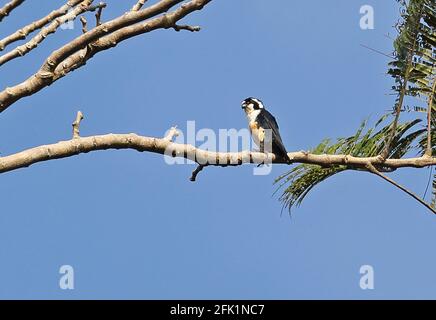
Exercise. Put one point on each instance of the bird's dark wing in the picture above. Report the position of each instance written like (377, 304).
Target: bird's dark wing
(266, 120)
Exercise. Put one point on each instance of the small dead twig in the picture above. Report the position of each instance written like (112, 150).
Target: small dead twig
(186, 27)
(100, 8)
(76, 125)
(195, 173)
(84, 24)
(139, 5)
(172, 134)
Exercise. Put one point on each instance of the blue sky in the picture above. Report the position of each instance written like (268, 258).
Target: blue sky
(133, 227)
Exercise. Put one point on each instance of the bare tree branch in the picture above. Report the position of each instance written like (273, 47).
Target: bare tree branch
(166, 146)
(7, 9)
(203, 158)
(52, 28)
(25, 31)
(76, 53)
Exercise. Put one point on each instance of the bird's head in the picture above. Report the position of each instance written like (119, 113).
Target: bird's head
(251, 104)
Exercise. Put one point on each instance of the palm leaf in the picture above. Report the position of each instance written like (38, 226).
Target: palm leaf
(300, 180)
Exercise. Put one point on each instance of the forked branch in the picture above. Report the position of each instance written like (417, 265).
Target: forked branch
(76, 53)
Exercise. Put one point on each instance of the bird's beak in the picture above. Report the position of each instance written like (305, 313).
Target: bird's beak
(244, 105)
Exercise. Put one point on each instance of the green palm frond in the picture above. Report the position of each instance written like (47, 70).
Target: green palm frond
(297, 182)
(415, 53)
(413, 70)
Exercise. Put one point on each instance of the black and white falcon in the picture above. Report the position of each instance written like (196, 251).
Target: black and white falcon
(264, 128)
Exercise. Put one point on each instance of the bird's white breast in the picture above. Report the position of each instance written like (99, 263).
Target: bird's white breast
(252, 124)
(252, 115)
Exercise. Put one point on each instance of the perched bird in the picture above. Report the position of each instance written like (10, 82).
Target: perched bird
(264, 128)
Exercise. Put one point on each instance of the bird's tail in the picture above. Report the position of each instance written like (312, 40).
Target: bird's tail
(288, 160)
(283, 154)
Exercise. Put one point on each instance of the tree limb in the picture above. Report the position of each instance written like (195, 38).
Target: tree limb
(7, 9)
(164, 145)
(203, 158)
(76, 53)
(52, 28)
(25, 31)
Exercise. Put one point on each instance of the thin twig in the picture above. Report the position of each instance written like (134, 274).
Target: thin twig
(377, 51)
(197, 170)
(428, 182)
(172, 134)
(98, 14)
(373, 170)
(138, 5)
(76, 125)
(186, 27)
(84, 24)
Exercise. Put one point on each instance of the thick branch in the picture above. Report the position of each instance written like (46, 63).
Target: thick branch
(168, 20)
(128, 19)
(25, 31)
(203, 158)
(164, 145)
(80, 50)
(7, 9)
